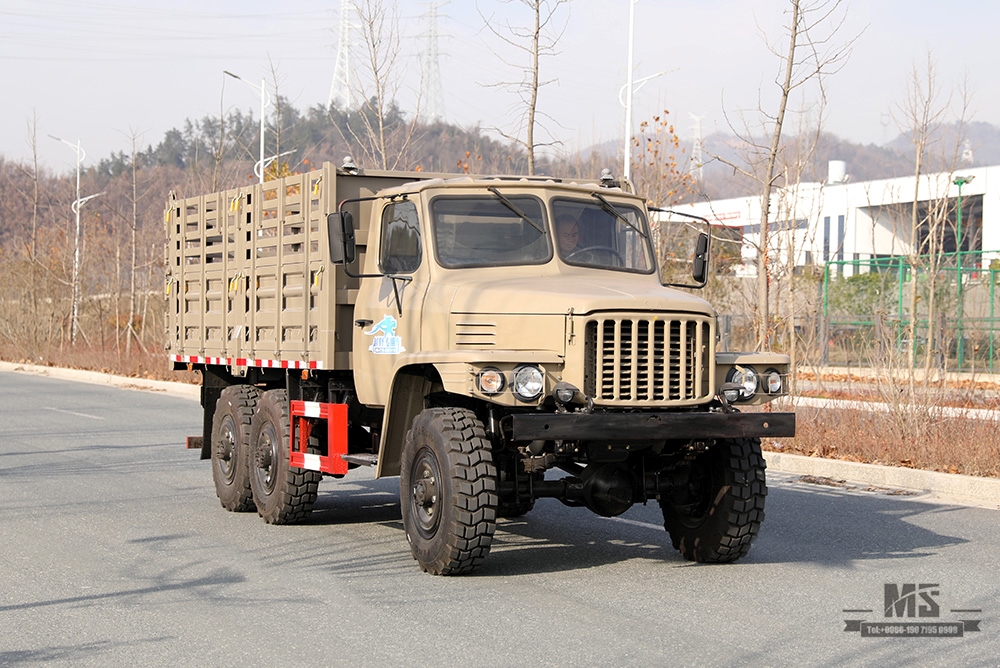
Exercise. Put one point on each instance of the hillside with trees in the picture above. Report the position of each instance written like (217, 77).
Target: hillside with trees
(119, 271)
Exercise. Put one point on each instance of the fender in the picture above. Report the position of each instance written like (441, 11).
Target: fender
(418, 375)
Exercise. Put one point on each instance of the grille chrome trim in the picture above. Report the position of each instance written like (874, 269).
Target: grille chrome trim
(649, 361)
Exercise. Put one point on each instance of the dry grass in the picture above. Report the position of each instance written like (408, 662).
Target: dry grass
(151, 366)
(952, 445)
(910, 428)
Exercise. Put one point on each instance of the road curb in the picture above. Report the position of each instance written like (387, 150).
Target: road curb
(927, 485)
(184, 390)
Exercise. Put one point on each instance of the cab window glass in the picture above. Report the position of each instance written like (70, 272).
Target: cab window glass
(484, 232)
(592, 234)
(400, 252)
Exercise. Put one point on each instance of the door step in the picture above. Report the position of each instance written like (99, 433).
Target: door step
(361, 459)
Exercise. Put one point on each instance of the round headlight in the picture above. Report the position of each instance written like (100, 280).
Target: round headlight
(772, 381)
(491, 381)
(746, 377)
(527, 383)
(564, 393)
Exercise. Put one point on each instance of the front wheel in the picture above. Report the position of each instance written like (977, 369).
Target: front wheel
(716, 515)
(447, 491)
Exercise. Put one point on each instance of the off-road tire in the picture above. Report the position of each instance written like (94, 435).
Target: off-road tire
(448, 492)
(282, 494)
(231, 446)
(726, 493)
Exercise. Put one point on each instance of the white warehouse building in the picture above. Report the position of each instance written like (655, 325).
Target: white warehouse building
(841, 221)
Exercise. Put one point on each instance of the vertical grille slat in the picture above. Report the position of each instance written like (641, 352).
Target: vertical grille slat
(648, 361)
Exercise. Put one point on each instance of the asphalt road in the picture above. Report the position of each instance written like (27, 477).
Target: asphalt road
(115, 551)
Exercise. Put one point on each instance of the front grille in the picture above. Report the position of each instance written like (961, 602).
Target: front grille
(648, 361)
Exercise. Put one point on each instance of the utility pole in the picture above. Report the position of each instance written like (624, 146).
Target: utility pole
(960, 181)
(265, 100)
(75, 207)
(627, 166)
(631, 86)
(696, 155)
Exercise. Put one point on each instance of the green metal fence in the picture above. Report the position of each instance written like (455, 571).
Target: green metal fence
(866, 310)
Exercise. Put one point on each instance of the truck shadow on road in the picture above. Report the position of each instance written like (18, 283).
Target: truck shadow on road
(826, 527)
(356, 502)
(809, 523)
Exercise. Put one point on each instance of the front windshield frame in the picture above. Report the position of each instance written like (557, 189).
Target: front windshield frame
(486, 233)
(603, 241)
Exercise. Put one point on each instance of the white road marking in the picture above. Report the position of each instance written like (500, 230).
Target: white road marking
(636, 523)
(86, 415)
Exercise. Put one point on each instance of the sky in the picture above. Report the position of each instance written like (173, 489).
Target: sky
(101, 72)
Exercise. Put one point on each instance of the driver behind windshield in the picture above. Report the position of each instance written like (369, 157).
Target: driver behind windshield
(569, 232)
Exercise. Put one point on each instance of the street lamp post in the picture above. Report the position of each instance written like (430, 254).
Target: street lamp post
(631, 87)
(960, 181)
(75, 207)
(627, 167)
(265, 100)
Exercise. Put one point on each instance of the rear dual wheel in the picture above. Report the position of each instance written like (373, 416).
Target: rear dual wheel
(282, 494)
(231, 446)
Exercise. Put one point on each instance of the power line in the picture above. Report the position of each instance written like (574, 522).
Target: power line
(340, 87)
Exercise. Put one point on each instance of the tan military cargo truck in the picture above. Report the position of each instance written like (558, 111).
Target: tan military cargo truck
(491, 341)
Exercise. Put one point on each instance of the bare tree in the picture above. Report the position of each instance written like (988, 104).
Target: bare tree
(380, 129)
(809, 51)
(133, 222)
(920, 116)
(534, 42)
(278, 168)
(798, 200)
(32, 244)
(659, 166)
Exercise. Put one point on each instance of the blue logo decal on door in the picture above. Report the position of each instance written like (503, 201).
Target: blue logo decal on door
(384, 339)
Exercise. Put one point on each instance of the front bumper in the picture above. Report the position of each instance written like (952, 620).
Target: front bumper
(649, 426)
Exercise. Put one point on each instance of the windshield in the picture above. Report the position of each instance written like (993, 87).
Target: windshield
(598, 233)
(486, 231)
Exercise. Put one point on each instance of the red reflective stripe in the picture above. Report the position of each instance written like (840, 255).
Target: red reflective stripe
(243, 361)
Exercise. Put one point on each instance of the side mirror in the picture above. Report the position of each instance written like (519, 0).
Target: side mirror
(679, 235)
(700, 270)
(340, 229)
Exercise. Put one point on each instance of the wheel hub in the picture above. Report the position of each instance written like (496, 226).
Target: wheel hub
(425, 491)
(264, 456)
(426, 494)
(225, 452)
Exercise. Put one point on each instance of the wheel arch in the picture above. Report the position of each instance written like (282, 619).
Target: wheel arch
(422, 374)
(410, 387)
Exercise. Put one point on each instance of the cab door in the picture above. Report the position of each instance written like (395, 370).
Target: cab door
(388, 309)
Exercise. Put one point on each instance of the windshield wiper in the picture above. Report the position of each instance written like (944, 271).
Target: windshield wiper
(513, 207)
(610, 208)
